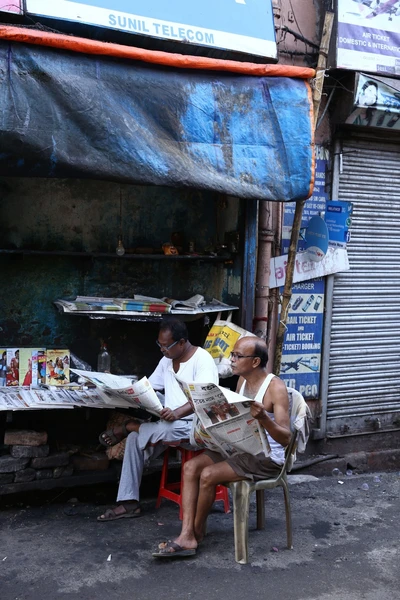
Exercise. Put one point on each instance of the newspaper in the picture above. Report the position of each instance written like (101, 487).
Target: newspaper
(122, 392)
(224, 423)
(192, 303)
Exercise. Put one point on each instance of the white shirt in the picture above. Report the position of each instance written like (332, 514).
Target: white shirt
(200, 368)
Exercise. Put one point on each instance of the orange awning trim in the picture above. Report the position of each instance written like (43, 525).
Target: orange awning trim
(180, 61)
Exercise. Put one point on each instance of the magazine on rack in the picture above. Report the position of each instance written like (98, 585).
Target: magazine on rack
(224, 422)
(122, 392)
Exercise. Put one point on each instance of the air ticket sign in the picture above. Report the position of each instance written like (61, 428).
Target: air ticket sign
(241, 25)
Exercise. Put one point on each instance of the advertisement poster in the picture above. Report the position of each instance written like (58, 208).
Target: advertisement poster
(338, 219)
(242, 25)
(376, 102)
(368, 35)
(301, 355)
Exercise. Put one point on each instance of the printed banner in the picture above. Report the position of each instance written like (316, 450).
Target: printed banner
(301, 356)
(368, 36)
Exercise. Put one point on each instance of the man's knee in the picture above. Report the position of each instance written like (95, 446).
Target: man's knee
(207, 477)
(192, 469)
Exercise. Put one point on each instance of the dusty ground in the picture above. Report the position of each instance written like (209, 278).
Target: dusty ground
(346, 547)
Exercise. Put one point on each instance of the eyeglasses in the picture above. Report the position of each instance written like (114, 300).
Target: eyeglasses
(166, 348)
(237, 356)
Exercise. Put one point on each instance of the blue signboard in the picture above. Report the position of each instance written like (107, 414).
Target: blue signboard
(314, 206)
(301, 356)
(338, 220)
(242, 25)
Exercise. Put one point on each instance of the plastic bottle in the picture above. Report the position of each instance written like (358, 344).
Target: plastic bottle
(103, 360)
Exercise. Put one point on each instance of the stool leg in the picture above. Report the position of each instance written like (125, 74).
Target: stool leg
(260, 499)
(164, 477)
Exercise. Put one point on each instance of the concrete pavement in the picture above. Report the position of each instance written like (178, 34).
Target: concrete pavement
(346, 547)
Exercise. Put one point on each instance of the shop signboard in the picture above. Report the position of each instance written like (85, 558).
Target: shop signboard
(11, 6)
(301, 354)
(245, 26)
(338, 220)
(368, 36)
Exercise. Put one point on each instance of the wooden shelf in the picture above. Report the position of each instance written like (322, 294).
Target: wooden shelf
(66, 253)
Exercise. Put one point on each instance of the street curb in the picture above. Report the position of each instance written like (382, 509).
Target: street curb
(359, 462)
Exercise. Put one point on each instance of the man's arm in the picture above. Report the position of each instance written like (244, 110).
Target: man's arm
(279, 428)
(156, 379)
(206, 372)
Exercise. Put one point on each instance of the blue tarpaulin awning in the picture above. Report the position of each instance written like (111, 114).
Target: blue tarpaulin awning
(82, 116)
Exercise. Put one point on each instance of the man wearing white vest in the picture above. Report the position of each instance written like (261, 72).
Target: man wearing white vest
(204, 472)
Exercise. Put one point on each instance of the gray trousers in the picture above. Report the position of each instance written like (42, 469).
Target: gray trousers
(148, 444)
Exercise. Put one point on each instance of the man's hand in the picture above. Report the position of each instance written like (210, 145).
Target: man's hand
(257, 410)
(168, 415)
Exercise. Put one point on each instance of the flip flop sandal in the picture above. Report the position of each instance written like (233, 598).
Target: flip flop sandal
(173, 550)
(111, 514)
(114, 438)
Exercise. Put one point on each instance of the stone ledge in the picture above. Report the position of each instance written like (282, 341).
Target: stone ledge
(84, 478)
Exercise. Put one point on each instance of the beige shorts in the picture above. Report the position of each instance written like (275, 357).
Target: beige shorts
(248, 466)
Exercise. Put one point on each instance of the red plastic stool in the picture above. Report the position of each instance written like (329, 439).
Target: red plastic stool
(173, 491)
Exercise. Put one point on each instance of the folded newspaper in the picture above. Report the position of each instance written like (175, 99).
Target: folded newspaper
(224, 423)
(122, 392)
(193, 303)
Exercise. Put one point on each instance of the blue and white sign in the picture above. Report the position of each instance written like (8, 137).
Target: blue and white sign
(301, 354)
(242, 25)
(338, 219)
(316, 239)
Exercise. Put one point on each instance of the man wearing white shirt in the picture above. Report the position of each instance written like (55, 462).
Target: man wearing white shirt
(147, 440)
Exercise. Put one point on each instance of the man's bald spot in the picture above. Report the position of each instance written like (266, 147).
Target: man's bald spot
(254, 346)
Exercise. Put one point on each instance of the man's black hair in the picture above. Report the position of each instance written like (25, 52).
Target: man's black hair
(261, 352)
(177, 328)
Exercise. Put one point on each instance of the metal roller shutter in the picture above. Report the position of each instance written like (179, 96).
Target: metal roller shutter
(364, 368)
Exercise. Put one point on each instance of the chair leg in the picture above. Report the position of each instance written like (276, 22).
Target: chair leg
(288, 515)
(241, 500)
(260, 499)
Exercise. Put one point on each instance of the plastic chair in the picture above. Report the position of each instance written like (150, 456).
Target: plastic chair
(173, 491)
(241, 490)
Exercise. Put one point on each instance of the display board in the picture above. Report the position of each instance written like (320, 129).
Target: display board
(243, 25)
(368, 36)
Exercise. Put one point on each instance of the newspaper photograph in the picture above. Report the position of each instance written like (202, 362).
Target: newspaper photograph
(224, 422)
(122, 392)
